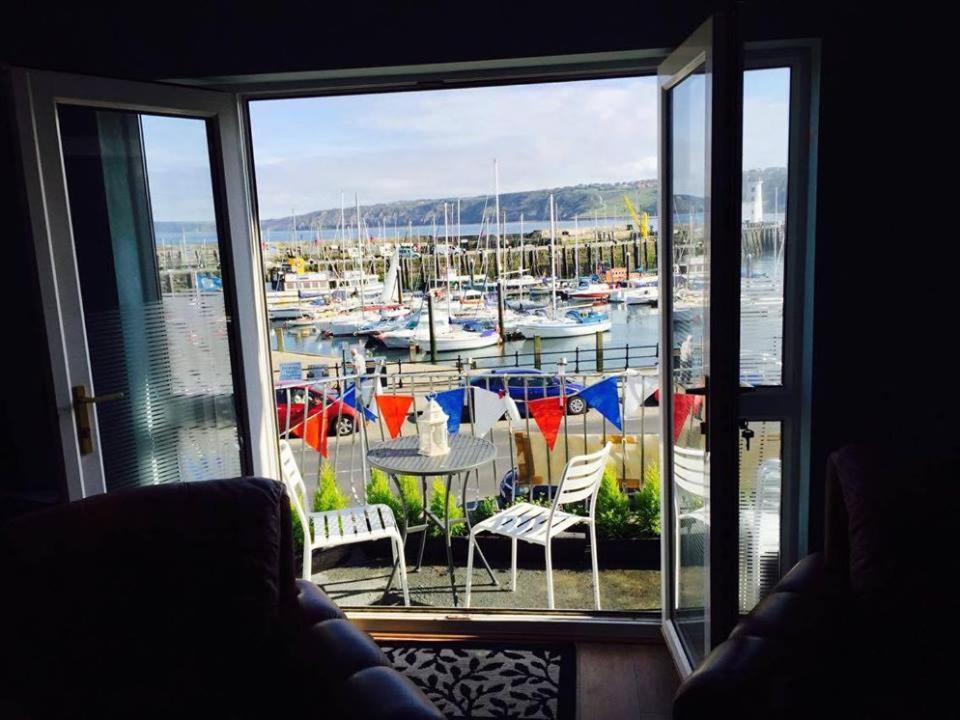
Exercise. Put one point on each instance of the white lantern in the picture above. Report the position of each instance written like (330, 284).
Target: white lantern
(433, 431)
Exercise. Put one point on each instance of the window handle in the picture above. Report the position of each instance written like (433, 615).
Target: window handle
(745, 432)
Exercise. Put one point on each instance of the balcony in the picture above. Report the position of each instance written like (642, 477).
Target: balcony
(337, 473)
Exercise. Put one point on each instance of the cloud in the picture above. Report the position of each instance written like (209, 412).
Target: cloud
(442, 143)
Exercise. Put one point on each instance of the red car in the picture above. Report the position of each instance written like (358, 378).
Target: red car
(341, 418)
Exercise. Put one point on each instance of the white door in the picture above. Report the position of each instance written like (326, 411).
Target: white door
(150, 278)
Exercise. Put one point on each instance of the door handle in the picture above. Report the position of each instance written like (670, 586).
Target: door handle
(81, 413)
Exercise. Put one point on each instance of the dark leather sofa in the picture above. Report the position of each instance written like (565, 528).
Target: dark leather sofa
(180, 601)
(866, 628)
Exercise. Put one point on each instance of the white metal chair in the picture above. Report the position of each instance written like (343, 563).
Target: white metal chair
(340, 527)
(689, 475)
(536, 524)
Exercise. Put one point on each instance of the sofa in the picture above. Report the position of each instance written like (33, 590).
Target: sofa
(864, 628)
(180, 601)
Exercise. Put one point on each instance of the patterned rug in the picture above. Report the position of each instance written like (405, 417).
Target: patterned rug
(484, 680)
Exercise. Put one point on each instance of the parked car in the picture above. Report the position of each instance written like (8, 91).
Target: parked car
(538, 384)
(408, 252)
(341, 418)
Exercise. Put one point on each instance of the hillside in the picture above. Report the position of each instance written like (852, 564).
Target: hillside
(604, 199)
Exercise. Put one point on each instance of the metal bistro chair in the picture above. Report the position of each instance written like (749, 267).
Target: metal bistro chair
(340, 527)
(536, 524)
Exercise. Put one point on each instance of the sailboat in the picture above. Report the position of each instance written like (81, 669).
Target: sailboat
(571, 324)
(447, 338)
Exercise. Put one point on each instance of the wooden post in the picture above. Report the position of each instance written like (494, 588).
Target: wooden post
(536, 351)
(599, 352)
(279, 331)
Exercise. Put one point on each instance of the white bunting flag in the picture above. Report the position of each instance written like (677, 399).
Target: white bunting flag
(636, 390)
(513, 412)
(488, 408)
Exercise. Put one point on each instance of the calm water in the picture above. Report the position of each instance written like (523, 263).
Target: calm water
(636, 325)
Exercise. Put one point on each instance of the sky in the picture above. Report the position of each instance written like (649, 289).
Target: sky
(442, 143)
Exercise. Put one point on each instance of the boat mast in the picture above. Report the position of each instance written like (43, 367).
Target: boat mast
(576, 246)
(521, 260)
(553, 258)
(356, 198)
(496, 188)
(343, 237)
(446, 239)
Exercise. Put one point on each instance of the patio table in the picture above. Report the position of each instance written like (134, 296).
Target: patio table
(400, 456)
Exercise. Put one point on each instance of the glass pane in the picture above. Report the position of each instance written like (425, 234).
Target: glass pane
(148, 254)
(766, 109)
(759, 512)
(691, 485)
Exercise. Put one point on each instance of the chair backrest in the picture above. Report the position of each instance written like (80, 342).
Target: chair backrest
(581, 477)
(293, 481)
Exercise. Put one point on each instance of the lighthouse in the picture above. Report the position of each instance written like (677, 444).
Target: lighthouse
(755, 202)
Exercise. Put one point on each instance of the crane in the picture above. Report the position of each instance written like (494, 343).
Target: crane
(642, 221)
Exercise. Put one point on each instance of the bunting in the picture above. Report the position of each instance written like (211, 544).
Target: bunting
(393, 409)
(683, 406)
(605, 399)
(488, 408)
(354, 400)
(637, 390)
(314, 432)
(451, 402)
(548, 413)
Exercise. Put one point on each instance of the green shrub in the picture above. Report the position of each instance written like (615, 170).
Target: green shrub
(328, 496)
(646, 503)
(380, 492)
(615, 519)
(411, 496)
(452, 510)
(297, 530)
(486, 507)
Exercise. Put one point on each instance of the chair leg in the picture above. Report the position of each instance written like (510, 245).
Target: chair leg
(398, 554)
(596, 569)
(307, 558)
(469, 568)
(513, 566)
(549, 577)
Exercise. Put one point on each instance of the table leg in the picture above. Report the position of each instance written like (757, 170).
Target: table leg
(446, 531)
(426, 523)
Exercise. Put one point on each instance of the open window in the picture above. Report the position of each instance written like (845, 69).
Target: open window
(179, 351)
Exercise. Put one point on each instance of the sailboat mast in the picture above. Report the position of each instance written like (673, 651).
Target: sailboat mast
(521, 259)
(356, 198)
(576, 246)
(553, 258)
(446, 239)
(343, 237)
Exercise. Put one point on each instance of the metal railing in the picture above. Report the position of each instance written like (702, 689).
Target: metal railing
(522, 461)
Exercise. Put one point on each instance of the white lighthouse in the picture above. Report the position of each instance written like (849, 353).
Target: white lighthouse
(755, 201)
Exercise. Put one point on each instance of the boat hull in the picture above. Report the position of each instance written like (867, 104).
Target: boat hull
(549, 330)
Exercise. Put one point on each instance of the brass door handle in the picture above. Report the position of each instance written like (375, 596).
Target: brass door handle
(81, 413)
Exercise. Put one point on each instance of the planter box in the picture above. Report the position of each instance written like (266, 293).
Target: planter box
(570, 551)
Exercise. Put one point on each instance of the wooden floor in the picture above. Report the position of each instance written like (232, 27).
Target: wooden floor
(624, 681)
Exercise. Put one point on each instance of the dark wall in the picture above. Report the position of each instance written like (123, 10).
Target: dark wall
(884, 296)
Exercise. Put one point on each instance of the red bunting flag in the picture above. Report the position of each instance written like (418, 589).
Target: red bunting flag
(683, 405)
(315, 434)
(548, 413)
(393, 410)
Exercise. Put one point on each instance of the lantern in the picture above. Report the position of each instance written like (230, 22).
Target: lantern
(433, 431)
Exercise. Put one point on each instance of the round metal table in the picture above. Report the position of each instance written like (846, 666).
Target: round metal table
(401, 457)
